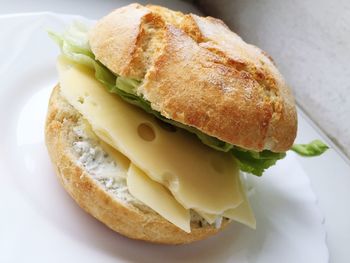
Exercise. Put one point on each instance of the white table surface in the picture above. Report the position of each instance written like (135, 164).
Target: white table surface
(329, 174)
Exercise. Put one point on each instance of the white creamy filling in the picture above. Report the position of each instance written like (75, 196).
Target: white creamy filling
(103, 168)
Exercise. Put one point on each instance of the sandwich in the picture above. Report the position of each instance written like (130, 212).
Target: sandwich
(157, 117)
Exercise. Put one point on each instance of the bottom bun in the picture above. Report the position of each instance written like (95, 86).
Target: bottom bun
(84, 170)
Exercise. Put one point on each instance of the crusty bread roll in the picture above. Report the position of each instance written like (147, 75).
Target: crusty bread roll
(196, 71)
(83, 168)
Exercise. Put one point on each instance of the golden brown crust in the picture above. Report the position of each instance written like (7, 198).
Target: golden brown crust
(198, 72)
(124, 218)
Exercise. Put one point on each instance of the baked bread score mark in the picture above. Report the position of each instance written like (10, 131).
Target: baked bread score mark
(195, 71)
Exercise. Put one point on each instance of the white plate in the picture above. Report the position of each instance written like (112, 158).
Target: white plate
(40, 222)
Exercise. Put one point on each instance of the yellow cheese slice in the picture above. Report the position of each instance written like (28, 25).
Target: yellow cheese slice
(120, 159)
(243, 213)
(197, 176)
(157, 197)
(210, 218)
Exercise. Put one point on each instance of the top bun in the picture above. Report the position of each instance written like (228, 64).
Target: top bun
(196, 71)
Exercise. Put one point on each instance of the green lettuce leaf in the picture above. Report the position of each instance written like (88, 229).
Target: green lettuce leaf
(256, 162)
(314, 148)
(74, 45)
